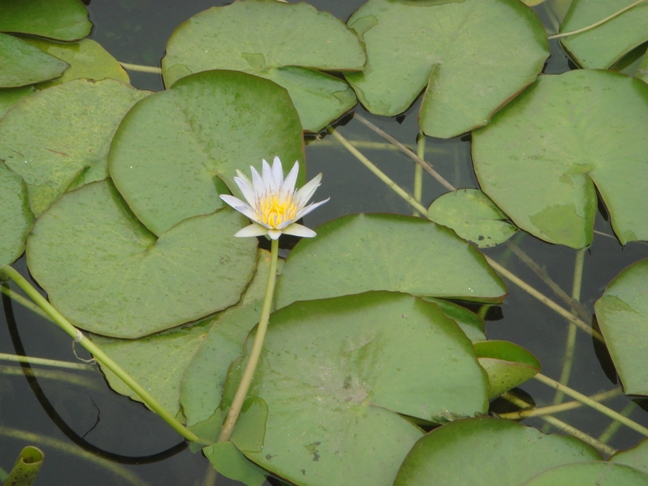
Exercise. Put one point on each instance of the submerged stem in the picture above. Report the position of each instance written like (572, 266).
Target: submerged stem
(98, 354)
(255, 353)
(418, 170)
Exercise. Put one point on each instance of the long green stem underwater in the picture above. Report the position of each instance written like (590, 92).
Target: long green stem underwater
(255, 353)
(98, 354)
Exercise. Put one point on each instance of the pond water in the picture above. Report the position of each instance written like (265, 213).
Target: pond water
(75, 410)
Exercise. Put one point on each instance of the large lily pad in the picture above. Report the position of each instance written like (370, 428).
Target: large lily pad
(285, 43)
(602, 46)
(87, 59)
(472, 55)
(335, 374)
(387, 252)
(15, 217)
(23, 64)
(65, 20)
(636, 457)
(488, 451)
(58, 139)
(622, 313)
(597, 473)
(172, 149)
(543, 157)
(473, 216)
(10, 96)
(117, 279)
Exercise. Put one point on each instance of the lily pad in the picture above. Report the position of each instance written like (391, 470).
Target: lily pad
(173, 148)
(336, 373)
(117, 279)
(642, 70)
(10, 96)
(156, 362)
(15, 217)
(622, 313)
(488, 451)
(202, 386)
(636, 457)
(602, 46)
(469, 322)
(544, 156)
(23, 64)
(288, 44)
(386, 252)
(87, 59)
(231, 463)
(594, 472)
(473, 216)
(472, 55)
(508, 365)
(58, 139)
(65, 20)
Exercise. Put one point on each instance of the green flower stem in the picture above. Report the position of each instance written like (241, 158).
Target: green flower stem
(368, 145)
(98, 354)
(600, 22)
(614, 426)
(565, 427)
(141, 69)
(570, 345)
(45, 362)
(591, 403)
(28, 304)
(530, 411)
(416, 158)
(380, 174)
(255, 353)
(418, 169)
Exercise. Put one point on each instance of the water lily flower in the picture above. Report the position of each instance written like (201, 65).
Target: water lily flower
(272, 202)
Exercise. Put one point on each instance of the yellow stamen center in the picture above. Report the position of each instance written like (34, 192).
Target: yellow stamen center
(273, 211)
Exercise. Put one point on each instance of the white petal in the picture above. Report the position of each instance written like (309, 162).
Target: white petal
(246, 188)
(268, 177)
(252, 230)
(304, 211)
(289, 184)
(305, 193)
(240, 206)
(299, 230)
(277, 173)
(257, 183)
(274, 234)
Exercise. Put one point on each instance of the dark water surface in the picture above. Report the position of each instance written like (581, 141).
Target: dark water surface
(90, 416)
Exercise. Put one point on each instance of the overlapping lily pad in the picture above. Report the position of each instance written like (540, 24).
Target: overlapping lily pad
(602, 46)
(335, 373)
(117, 279)
(15, 217)
(472, 55)
(23, 64)
(172, 149)
(10, 96)
(289, 44)
(58, 139)
(636, 457)
(543, 157)
(594, 472)
(488, 451)
(622, 313)
(387, 252)
(87, 59)
(65, 20)
(473, 216)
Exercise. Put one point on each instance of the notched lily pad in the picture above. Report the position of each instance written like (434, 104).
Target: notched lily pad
(15, 217)
(545, 155)
(289, 44)
(472, 55)
(473, 216)
(602, 46)
(387, 252)
(23, 64)
(118, 279)
(173, 148)
(59, 138)
(65, 20)
(336, 373)
(487, 452)
(622, 313)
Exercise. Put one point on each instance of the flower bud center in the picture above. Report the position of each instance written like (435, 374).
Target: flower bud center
(274, 210)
